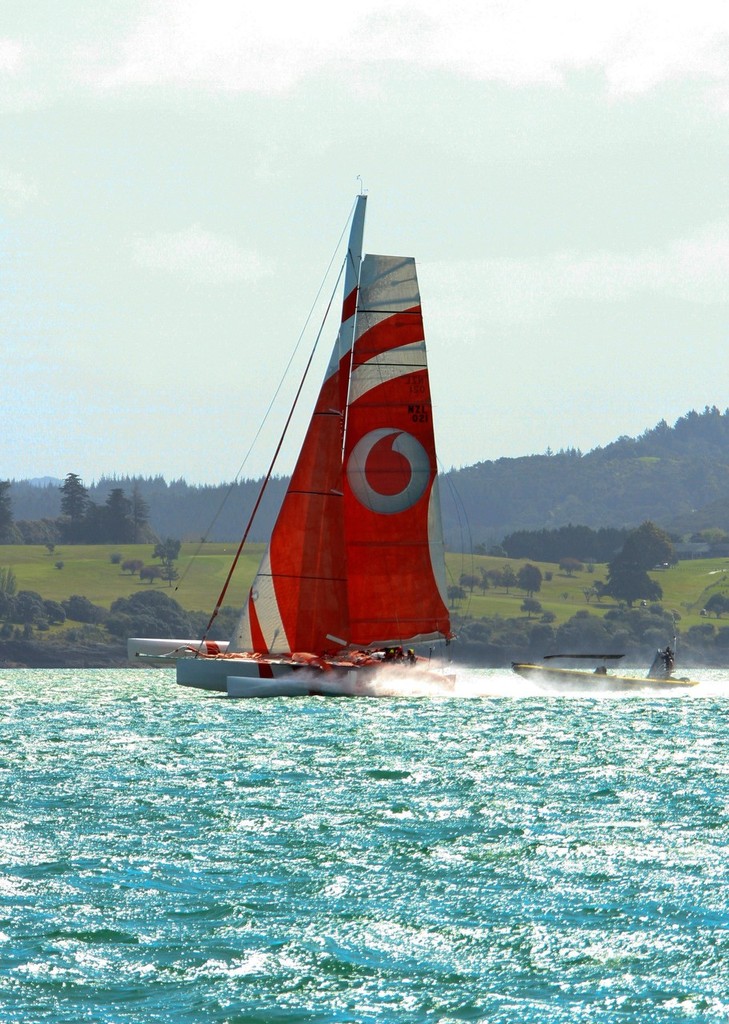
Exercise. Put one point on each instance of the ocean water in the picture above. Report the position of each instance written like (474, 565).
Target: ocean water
(172, 856)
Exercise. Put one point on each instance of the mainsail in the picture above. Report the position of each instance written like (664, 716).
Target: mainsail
(356, 554)
(394, 539)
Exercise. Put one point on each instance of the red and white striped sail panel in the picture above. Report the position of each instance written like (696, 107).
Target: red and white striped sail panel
(395, 552)
(298, 600)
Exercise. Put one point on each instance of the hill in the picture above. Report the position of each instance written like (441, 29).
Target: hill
(678, 477)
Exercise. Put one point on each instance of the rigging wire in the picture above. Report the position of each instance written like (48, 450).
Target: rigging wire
(204, 539)
(252, 516)
(464, 527)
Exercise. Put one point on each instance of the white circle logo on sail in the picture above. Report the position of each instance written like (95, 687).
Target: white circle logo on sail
(388, 470)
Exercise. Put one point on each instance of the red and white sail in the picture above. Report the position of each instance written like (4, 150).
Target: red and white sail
(356, 556)
(394, 541)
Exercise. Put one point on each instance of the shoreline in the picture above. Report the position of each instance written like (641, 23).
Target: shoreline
(31, 654)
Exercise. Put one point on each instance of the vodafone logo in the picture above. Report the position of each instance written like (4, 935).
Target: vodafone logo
(388, 470)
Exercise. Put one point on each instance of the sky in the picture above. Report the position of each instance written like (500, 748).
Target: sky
(176, 177)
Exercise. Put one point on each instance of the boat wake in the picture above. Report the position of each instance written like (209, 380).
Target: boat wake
(406, 682)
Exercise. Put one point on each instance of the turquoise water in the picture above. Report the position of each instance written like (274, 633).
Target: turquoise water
(172, 856)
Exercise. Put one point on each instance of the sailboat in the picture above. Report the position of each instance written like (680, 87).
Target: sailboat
(355, 569)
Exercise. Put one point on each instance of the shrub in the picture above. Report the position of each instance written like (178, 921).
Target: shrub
(41, 531)
(148, 613)
(571, 565)
(80, 609)
(223, 625)
(28, 607)
(151, 573)
(54, 612)
(718, 604)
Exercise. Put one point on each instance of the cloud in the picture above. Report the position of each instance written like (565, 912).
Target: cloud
(11, 56)
(15, 191)
(633, 46)
(198, 256)
(693, 269)
(520, 291)
(223, 45)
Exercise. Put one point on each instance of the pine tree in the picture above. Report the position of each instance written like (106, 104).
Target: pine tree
(75, 498)
(118, 525)
(139, 513)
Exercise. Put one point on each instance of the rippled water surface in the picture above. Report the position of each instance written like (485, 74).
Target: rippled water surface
(172, 856)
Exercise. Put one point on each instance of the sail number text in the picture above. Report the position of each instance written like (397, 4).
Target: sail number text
(419, 413)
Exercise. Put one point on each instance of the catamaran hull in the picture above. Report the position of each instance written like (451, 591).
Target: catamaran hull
(253, 677)
(204, 665)
(600, 682)
(305, 684)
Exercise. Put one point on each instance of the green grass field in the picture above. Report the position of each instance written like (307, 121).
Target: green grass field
(686, 588)
(88, 571)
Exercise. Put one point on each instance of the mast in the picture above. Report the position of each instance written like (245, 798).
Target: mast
(341, 359)
(298, 600)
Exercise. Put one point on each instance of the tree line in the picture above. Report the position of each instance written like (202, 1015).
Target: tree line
(676, 476)
(217, 512)
(121, 519)
(146, 613)
(645, 548)
(552, 545)
(495, 641)
(492, 640)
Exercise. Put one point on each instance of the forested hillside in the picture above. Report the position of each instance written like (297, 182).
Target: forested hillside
(176, 509)
(670, 475)
(678, 477)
